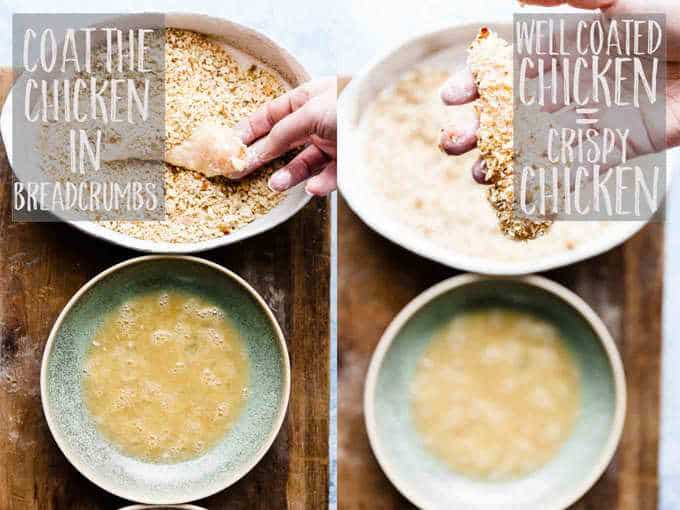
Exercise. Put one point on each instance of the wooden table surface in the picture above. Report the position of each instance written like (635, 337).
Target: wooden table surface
(42, 266)
(624, 286)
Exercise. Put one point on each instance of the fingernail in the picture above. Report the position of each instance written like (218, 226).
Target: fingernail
(448, 91)
(242, 129)
(459, 89)
(280, 181)
(479, 172)
(236, 176)
(309, 192)
(256, 154)
(451, 135)
(251, 155)
(254, 159)
(447, 140)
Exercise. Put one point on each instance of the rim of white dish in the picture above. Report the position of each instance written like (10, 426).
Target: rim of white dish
(102, 482)
(347, 144)
(162, 507)
(175, 20)
(406, 487)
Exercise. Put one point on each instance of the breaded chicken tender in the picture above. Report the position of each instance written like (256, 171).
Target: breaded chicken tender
(490, 60)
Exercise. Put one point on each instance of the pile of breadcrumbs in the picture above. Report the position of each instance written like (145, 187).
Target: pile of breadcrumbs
(490, 61)
(203, 82)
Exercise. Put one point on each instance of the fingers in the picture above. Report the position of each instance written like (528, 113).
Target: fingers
(253, 160)
(580, 4)
(458, 140)
(547, 41)
(643, 132)
(591, 4)
(288, 131)
(263, 120)
(310, 161)
(287, 134)
(479, 172)
(459, 88)
(316, 121)
(306, 114)
(545, 3)
(673, 113)
(322, 184)
(554, 92)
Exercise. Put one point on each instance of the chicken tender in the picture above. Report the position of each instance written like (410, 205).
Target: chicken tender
(490, 60)
(212, 150)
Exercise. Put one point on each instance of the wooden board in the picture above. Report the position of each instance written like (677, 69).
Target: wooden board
(624, 286)
(42, 266)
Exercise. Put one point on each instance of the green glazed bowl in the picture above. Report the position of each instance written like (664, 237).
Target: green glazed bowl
(243, 446)
(426, 481)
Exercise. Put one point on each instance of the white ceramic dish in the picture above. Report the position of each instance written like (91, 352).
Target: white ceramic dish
(250, 42)
(361, 92)
(163, 507)
(234, 455)
(429, 483)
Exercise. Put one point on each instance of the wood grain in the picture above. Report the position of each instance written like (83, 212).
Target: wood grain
(42, 266)
(624, 286)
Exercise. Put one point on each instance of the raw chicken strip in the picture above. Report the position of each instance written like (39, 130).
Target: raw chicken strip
(212, 150)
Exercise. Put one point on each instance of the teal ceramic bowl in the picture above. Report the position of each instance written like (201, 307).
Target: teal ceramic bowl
(242, 447)
(426, 481)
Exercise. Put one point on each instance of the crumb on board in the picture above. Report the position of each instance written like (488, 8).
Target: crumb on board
(490, 60)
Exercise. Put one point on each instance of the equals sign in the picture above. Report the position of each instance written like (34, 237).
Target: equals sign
(586, 111)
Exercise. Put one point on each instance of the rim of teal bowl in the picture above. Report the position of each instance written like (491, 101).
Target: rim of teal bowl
(407, 487)
(91, 474)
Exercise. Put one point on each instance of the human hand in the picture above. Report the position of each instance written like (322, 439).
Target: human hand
(304, 116)
(643, 139)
